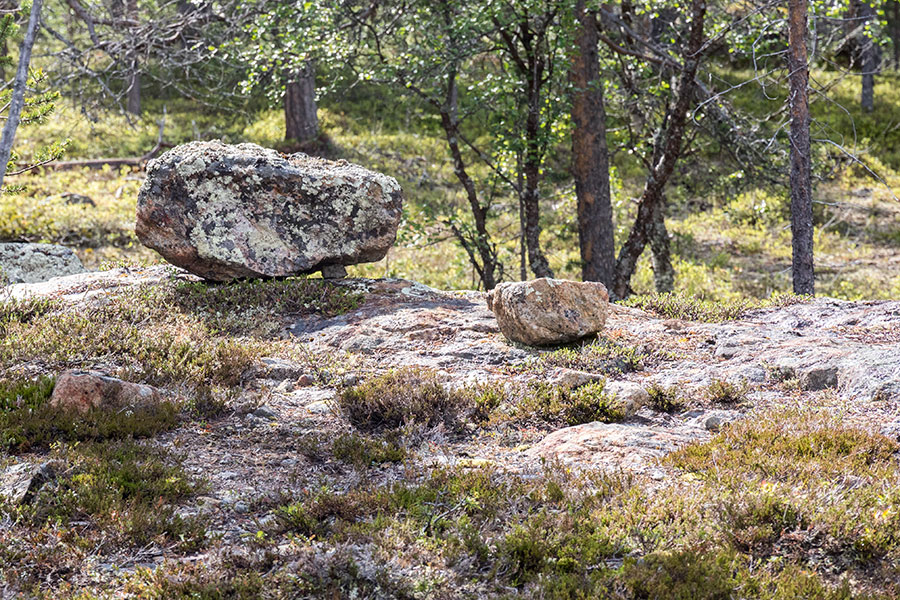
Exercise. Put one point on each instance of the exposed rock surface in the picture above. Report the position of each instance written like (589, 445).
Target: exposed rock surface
(546, 311)
(572, 378)
(280, 434)
(613, 446)
(806, 348)
(406, 323)
(33, 263)
(81, 391)
(225, 212)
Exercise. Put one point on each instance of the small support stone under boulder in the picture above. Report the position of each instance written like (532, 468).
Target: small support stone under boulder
(227, 212)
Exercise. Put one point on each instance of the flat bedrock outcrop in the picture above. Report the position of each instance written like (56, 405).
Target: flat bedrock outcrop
(242, 211)
(547, 311)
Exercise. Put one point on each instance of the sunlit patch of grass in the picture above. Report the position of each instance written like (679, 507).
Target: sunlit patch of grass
(678, 306)
(803, 473)
(171, 334)
(241, 307)
(597, 356)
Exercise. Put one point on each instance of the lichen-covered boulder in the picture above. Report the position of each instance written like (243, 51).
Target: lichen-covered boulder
(234, 211)
(546, 311)
(34, 263)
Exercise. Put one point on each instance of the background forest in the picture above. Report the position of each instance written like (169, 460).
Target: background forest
(474, 107)
(165, 437)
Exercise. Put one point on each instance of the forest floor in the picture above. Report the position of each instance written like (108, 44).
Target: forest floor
(381, 439)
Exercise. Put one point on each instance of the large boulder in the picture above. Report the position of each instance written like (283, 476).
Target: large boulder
(546, 311)
(225, 212)
(34, 263)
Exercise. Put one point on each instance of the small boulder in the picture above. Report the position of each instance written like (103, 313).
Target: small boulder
(72, 198)
(546, 311)
(225, 212)
(819, 377)
(34, 263)
(19, 483)
(81, 391)
(571, 378)
(627, 393)
(609, 446)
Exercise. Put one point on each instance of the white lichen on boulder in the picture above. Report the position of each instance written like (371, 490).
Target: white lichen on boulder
(232, 211)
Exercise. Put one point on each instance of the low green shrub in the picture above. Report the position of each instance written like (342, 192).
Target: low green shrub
(125, 489)
(363, 452)
(559, 405)
(665, 399)
(401, 398)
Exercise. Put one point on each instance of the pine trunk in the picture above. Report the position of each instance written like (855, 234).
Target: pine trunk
(663, 271)
(667, 151)
(300, 111)
(868, 60)
(133, 104)
(801, 187)
(590, 156)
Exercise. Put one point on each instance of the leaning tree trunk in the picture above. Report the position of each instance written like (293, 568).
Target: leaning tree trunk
(801, 187)
(300, 112)
(868, 55)
(666, 153)
(20, 83)
(483, 256)
(590, 156)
